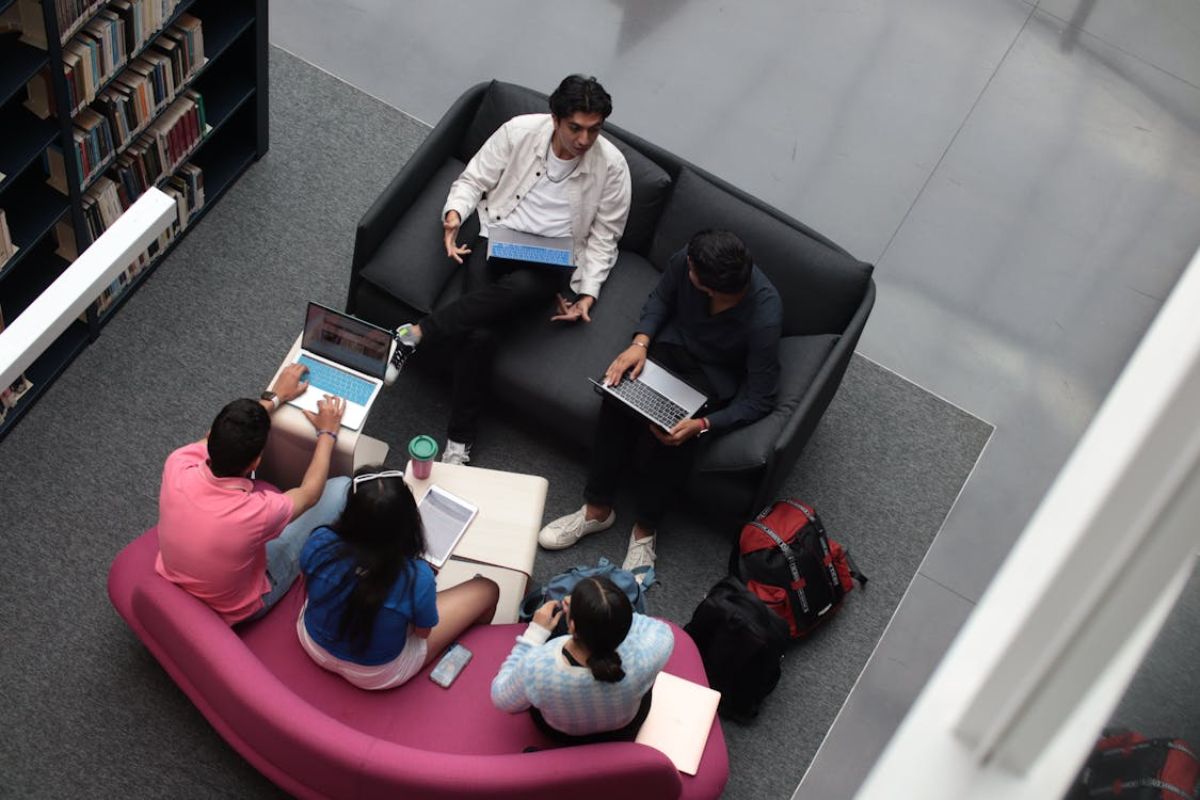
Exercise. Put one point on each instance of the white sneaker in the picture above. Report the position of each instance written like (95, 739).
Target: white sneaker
(566, 531)
(456, 453)
(640, 554)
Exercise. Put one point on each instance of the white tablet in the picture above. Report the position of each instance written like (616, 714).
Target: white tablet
(446, 518)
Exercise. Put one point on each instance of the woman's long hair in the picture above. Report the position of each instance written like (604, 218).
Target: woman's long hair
(380, 534)
(602, 615)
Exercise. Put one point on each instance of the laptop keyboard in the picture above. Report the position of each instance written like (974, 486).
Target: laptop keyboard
(528, 252)
(649, 402)
(332, 380)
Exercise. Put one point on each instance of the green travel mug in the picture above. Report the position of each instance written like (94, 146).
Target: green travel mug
(422, 450)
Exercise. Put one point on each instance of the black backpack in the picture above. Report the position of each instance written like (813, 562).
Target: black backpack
(741, 642)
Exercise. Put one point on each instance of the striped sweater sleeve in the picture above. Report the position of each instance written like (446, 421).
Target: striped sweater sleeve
(508, 687)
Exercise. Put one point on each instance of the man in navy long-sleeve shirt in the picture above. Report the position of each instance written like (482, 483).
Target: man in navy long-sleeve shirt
(714, 320)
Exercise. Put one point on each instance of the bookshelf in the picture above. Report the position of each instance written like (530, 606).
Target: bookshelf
(50, 212)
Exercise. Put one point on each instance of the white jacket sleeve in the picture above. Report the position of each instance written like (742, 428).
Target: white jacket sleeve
(481, 175)
(600, 253)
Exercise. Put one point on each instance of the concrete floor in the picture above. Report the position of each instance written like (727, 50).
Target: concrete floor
(1026, 176)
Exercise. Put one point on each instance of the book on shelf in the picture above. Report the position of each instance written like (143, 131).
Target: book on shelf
(7, 248)
(71, 15)
(102, 49)
(186, 186)
(106, 200)
(137, 100)
(94, 145)
(12, 393)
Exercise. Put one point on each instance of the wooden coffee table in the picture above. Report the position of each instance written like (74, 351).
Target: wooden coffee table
(502, 540)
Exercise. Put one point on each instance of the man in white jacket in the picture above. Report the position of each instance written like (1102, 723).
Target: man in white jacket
(546, 174)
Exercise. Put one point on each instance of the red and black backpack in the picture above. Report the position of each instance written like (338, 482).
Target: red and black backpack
(786, 559)
(1128, 765)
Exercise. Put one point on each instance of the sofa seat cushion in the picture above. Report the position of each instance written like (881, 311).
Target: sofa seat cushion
(800, 359)
(411, 264)
(821, 287)
(543, 371)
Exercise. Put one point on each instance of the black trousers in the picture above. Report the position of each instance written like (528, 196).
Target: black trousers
(623, 440)
(625, 734)
(470, 327)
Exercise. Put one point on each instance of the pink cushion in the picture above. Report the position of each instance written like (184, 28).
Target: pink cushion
(317, 736)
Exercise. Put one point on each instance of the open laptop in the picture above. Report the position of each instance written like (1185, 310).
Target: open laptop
(346, 357)
(657, 395)
(556, 251)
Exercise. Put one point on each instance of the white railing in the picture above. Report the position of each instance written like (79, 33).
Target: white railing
(1017, 702)
(44, 320)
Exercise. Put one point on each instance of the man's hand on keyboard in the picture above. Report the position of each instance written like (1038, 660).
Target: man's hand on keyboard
(450, 226)
(291, 383)
(329, 413)
(684, 429)
(570, 312)
(631, 360)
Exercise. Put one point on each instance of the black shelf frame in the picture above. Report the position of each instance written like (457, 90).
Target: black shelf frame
(234, 88)
(41, 208)
(25, 139)
(18, 63)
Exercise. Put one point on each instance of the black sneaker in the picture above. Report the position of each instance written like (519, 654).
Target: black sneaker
(400, 356)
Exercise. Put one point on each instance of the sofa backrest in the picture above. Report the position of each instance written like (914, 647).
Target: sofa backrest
(821, 286)
(650, 183)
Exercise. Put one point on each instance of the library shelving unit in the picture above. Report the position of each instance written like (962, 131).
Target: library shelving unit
(233, 84)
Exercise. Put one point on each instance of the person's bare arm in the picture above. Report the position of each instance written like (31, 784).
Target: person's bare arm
(289, 386)
(327, 421)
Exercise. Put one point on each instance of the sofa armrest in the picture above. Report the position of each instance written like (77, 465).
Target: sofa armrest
(804, 420)
(441, 144)
(802, 362)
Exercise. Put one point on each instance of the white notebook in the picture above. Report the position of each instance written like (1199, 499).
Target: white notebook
(680, 719)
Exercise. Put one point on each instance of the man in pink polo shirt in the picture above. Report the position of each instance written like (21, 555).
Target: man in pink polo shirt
(233, 541)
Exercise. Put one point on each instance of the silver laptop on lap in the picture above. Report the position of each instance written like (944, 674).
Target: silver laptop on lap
(346, 357)
(657, 395)
(557, 251)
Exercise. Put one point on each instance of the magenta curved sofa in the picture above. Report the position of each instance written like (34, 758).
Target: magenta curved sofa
(317, 736)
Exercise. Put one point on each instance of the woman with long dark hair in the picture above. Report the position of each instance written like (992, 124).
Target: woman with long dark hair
(374, 615)
(594, 684)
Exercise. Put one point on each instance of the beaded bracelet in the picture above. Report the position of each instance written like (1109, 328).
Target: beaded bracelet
(330, 434)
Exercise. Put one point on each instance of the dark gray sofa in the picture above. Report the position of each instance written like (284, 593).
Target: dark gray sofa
(400, 272)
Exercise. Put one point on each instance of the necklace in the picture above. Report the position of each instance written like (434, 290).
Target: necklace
(570, 172)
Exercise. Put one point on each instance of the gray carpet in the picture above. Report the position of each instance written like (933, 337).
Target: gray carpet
(89, 712)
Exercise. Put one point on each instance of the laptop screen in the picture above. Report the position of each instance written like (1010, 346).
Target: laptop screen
(347, 341)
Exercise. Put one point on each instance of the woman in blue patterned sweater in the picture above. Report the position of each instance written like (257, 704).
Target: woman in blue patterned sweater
(593, 685)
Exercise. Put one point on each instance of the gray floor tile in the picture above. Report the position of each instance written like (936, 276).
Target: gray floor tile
(1164, 32)
(1034, 261)
(898, 669)
(839, 124)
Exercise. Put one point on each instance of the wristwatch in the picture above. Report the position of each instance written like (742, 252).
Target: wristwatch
(271, 398)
